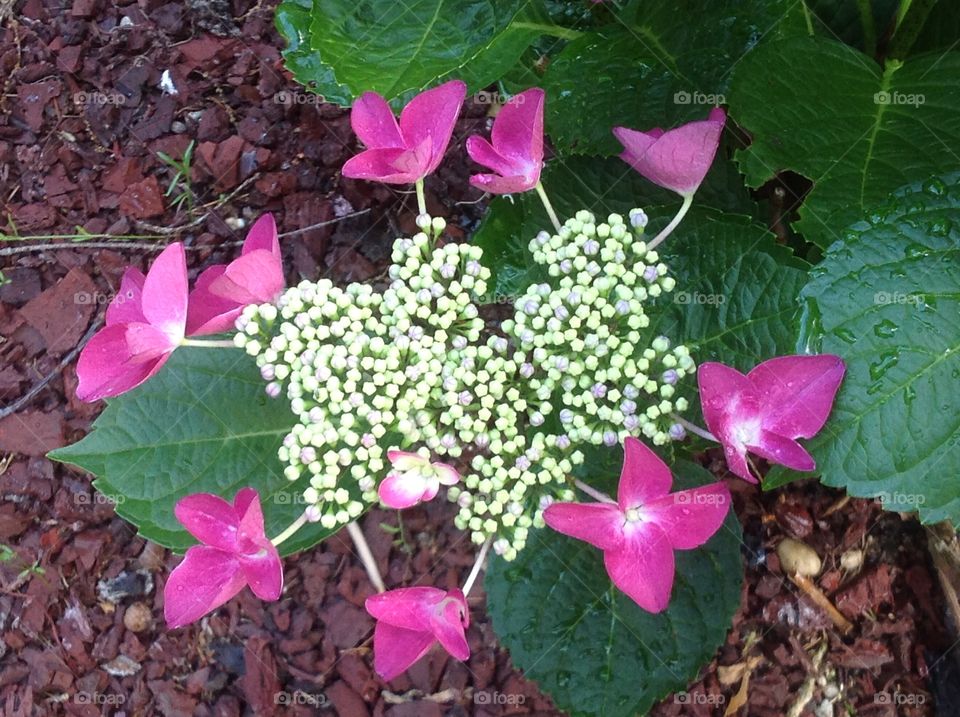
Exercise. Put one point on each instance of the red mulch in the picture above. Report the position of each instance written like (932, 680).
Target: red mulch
(82, 119)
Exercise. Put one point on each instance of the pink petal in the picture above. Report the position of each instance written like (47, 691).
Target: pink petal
(208, 313)
(689, 518)
(495, 184)
(797, 392)
(405, 460)
(165, 292)
(202, 582)
(262, 235)
(395, 649)
(125, 307)
(731, 409)
(403, 490)
(263, 571)
(518, 130)
(737, 462)
(210, 519)
(600, 524)
(643, 477)
(373, 122)
(409, 608)
(447, 624)
(446, 474)
(785, 451)
(482, 152)
(254, 278)
(108, 367)
(246, 506)
(432, 115)
(643, 566)
(379, 164)
(680, 158)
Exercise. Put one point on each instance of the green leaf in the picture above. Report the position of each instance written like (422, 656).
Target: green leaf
(202, 424)
(603, 186)
(587, 644)
(655, 67)
(887, 301)
(845, 20)
(293, 22)
(817, 107)
(399, 48)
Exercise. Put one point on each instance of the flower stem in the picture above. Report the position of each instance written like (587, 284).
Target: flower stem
(421, 197)
(293, 528)
(694, 428)
(209, 343)
(593, 492)
(477, 565)
(668, 230)
(366, 557)
(548, 206)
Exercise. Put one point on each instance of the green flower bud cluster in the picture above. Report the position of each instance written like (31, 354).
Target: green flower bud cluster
(586, 333)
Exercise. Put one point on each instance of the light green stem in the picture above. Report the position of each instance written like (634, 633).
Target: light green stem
(209, 343)
(668, 230)
(366, 557)
(593, 492)
(694, 428)
(548, 206)
(477, 565)
(294, 527)
(421, 198)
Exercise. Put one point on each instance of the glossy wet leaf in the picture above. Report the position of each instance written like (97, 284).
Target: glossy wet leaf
(856, 130)
(887, 299)
(203, 424)
(587, 645)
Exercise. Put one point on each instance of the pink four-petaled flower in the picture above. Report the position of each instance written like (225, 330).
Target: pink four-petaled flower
(222, 290)
(413, 479)
(516, 154)
(145, 322)
(406, 152)
(411, 620)
(766, 410)
(639, 532)
(235, 552)
(677, 159)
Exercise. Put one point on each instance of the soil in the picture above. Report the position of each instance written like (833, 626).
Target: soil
(91, 95)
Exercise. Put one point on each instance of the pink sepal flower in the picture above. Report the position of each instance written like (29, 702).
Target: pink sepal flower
(235, 552)
(145, 322)
(639, 532)
(406, 152)
(222, 290)
(411, 620)
(765, 411)
(677, 159)
(516, 153)
(413, 479)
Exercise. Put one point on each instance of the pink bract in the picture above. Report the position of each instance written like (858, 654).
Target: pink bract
(677, 159)
(766, 410)
(516, 153)
(406, 152)
(222, 290)
(639, 532)
(145, 322)
(235, 552)
(411, 620)
(413, 479)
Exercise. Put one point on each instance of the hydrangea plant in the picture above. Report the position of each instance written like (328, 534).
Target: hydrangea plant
(410, 394)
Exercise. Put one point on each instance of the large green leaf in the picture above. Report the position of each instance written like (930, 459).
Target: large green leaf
(887, 300)
(665, 62)
(592, 648)
(293, 22)
(857, 131)
(855, 22)
(399, 48)
(202, 424)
